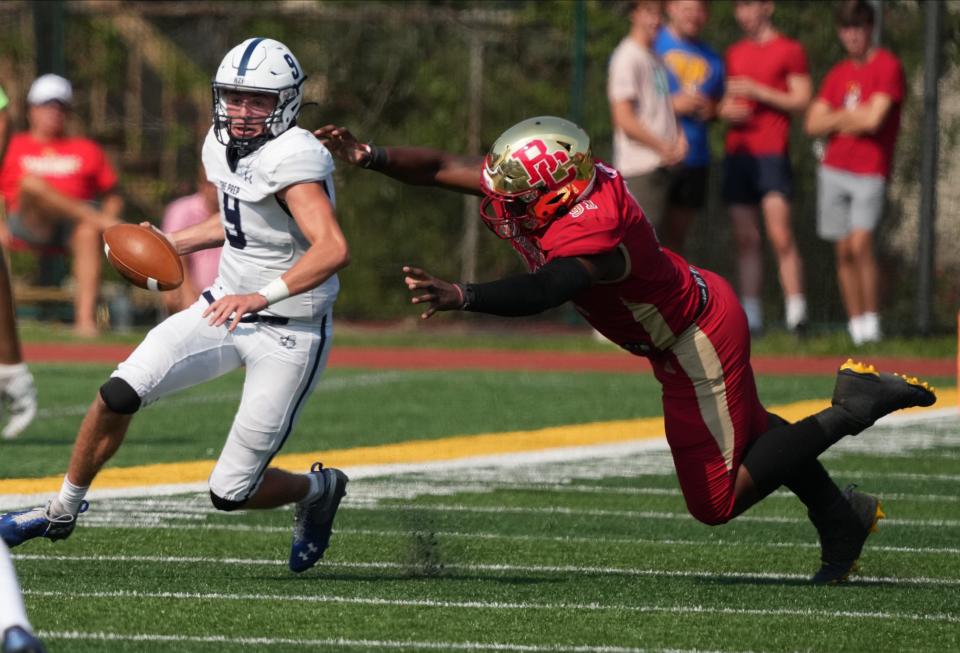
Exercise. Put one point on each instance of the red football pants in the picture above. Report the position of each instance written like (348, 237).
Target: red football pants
(710, 405)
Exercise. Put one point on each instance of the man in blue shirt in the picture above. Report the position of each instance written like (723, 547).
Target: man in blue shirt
(695, 74)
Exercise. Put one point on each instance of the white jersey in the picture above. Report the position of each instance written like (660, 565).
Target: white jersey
(262, 239)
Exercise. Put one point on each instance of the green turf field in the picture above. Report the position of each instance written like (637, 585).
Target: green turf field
(591, 553)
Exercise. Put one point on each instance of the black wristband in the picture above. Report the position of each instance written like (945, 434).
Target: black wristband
(469, 296)
(377, 159)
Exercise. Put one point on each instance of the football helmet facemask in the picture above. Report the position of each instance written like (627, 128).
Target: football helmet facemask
(258, 65)
(536, 171)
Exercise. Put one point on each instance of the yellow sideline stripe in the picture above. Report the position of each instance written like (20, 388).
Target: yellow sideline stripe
(414, 451)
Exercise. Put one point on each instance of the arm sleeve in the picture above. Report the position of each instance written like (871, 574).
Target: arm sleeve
(556, 282)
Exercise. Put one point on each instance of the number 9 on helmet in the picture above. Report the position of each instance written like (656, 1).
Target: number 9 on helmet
(536, 171)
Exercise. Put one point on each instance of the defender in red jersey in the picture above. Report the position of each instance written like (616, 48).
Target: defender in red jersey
(586, 240)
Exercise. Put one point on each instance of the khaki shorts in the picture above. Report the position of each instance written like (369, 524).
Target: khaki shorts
(847, 201)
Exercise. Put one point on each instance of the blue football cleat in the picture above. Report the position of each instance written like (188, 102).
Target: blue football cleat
(18, 527)
(18, 640)
(313, 522)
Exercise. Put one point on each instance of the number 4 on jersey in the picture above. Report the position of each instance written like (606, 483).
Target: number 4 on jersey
(233, 230)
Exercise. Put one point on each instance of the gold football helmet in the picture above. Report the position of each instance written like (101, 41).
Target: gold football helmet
(536, 171)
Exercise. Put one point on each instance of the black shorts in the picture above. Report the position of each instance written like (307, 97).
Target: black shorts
(688, 186)
(747, 179)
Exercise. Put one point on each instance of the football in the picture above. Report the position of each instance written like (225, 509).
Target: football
(143, 256)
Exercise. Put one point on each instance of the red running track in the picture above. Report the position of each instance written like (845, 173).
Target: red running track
(473, 359)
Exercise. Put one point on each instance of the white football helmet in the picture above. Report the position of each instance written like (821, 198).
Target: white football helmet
(259, 65)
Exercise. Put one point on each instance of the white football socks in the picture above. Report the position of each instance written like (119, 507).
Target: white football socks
(69, 500)
(316, 488)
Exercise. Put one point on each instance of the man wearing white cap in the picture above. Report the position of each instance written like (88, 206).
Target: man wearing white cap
(49, 182)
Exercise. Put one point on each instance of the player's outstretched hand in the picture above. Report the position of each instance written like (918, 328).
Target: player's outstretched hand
(342, 144)
(233, 307)
(426, 288)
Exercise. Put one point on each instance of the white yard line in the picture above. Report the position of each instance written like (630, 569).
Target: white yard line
(366, 644)
(493, 568)
(620, 514)
(500, 605)
(481, 535)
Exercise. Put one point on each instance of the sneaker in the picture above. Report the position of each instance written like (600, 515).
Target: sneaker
(843, 528)
(313, 522)
(866, 395)
(18, 527)
(20, 397)
(18, 640)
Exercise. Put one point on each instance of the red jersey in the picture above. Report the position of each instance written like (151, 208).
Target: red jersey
(848, 85)
(771, 63)
(657, 299)
(77, 167)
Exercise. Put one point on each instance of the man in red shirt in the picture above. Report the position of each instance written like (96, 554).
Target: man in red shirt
(767, 80)
(586, 240)
(49, 182)
(858, 111)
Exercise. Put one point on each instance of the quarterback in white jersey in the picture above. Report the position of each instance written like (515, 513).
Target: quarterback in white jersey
(269, 310)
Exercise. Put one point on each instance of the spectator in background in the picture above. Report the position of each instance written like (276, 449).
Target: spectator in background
(767, 80)
(199, 268)
(49, 182)
(858, 110)
(647, 139)
(696, 84)
(18, 395)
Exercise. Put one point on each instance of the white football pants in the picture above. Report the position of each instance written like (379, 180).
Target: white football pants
(283, 364)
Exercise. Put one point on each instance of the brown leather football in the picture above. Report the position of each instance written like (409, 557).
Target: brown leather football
(143, 256)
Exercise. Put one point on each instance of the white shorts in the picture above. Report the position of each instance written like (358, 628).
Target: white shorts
(848, 201)
(283, 364)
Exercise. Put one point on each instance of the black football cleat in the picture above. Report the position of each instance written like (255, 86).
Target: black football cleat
(843, 528)
(866, 395)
